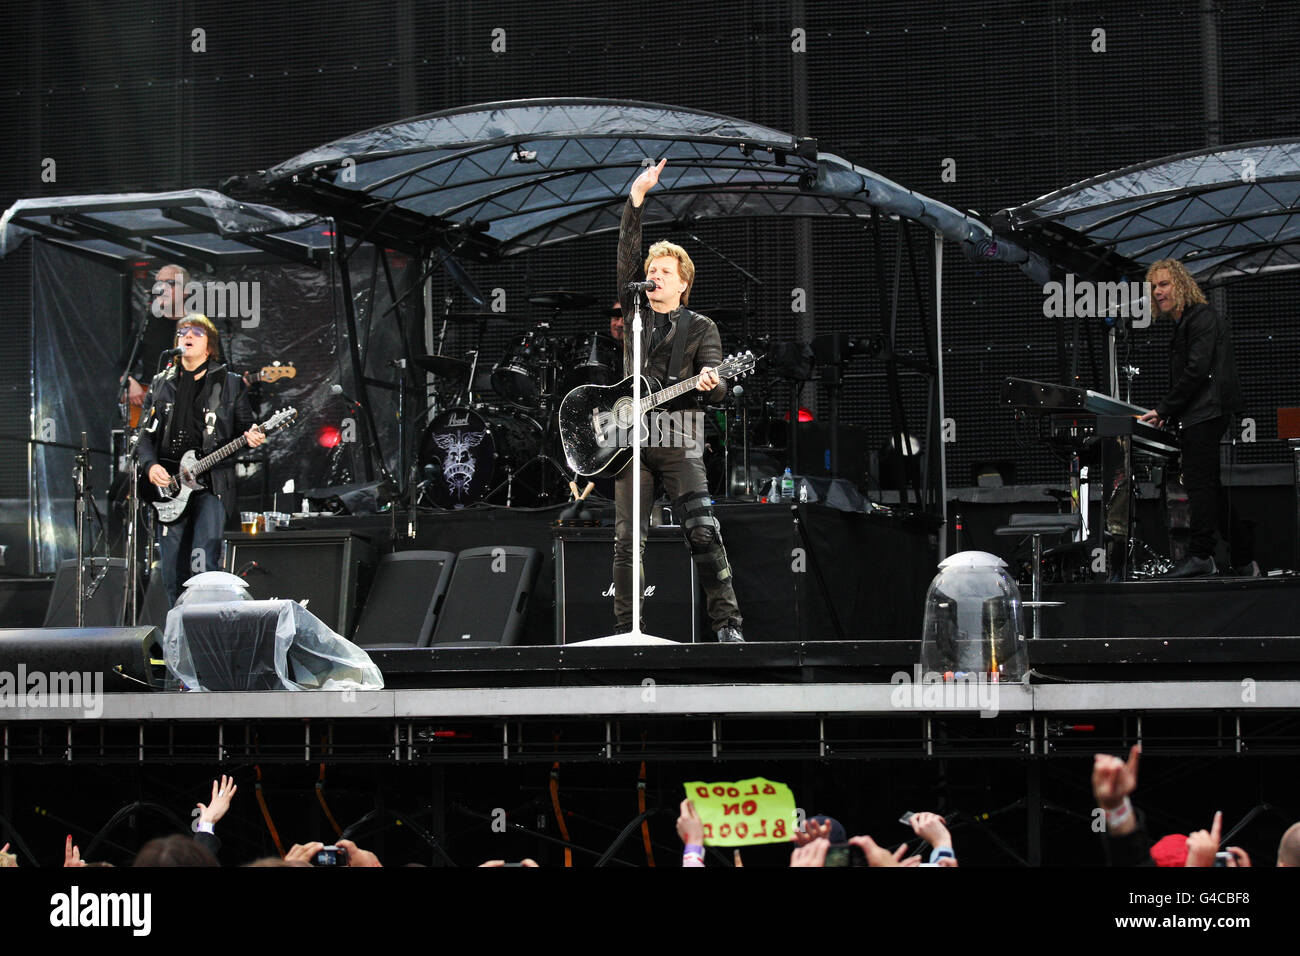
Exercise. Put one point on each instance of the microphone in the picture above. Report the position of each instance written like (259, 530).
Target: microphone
(172, 353)
(337, 389)
(648, 286)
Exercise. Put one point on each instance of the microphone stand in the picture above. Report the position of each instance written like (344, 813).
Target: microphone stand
(81, 473)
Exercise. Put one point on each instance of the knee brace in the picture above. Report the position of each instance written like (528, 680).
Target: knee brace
(703, 536)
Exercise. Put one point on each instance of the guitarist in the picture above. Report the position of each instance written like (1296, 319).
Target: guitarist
(683, 473)
(195, 405)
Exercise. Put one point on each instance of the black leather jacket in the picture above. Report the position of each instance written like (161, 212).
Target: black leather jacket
(1202, 369)
(703, 344)
(227, 414)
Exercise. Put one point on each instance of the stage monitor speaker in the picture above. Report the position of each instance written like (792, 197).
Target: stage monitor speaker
(584, 589)
(325, 571)
(124, 656)
(103, 581)
(404, 600)
(487, 599)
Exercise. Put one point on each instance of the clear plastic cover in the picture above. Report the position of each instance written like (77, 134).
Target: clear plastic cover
(238, 644)
(973, 620)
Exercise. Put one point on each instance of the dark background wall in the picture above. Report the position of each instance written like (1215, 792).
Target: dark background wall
(1012, 93)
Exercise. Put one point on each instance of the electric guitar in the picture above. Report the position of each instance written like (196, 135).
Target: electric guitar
(174, 496)
(596, 420)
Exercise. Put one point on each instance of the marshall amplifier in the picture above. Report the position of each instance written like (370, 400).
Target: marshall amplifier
(673, 606)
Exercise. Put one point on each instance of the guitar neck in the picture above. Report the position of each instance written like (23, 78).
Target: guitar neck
(672, 391)
(225, 451)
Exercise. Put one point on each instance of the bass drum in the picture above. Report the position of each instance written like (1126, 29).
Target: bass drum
(470, 455)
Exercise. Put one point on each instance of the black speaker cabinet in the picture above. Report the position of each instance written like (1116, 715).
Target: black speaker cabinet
(487, 599)
(405, 599)
(103, 581)
(584, 587)
(123, 655)
(325, 571)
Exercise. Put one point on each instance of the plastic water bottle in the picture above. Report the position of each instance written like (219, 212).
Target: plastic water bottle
(771, 491)
(787, 486)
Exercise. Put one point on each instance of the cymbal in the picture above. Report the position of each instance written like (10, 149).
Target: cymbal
(443, 366)
(559, 299)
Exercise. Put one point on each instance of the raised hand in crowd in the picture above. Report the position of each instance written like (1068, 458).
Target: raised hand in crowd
(813, 829)
(7, 858)
(223, 791)
(358, 856)
(812, 853)
(301, 854)
(878, 856)
(691, 830)
(1203, 844)
(1113, 781)
(932, 828)
(71, 853)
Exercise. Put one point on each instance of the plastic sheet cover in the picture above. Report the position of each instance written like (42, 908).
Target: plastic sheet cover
(303, 652)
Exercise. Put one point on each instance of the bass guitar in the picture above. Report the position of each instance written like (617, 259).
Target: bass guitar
(596, 420)
(174, 496)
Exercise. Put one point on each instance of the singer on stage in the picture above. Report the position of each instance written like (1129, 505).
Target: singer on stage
(682, 471)
(195, 405)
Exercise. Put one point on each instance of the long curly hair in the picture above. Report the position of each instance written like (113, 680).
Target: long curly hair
(1186, 291)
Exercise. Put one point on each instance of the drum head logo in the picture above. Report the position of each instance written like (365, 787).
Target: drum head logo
(458, 464)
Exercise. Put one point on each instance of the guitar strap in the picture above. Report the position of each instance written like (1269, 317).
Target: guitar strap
(679, 347)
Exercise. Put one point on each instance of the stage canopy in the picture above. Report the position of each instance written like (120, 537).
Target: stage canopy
(1228, 213)
(198, 228)
(496, 179)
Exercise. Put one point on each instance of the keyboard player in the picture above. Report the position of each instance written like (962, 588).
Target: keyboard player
(1204, 394)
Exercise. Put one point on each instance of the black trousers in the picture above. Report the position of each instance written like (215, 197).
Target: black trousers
(1200, 449)
(682, 473)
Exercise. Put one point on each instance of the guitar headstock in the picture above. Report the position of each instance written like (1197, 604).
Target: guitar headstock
(273, 373)
(281, 418)
(737, 365)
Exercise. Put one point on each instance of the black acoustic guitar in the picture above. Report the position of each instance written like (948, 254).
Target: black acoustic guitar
(596, 420)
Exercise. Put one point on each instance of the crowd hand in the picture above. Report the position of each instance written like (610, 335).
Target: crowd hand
(523, 862)
(1239, 856)
(158, 476)
(740, 864)
(1152, 417)
(689, 826)
(223, 791)
(71, 853)
(708, 380)
(358, 856)
(812, 830)
(1201, 846)
(931, 828)
(878, 856)
(812, 853)
(1114, 779)
(255, 436)
(7, 858)
(302, 853)
(646, 181)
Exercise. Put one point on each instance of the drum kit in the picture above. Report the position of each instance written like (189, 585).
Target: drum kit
(506, 451)
(493, 436)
